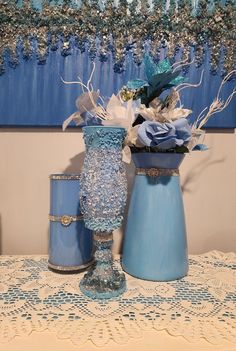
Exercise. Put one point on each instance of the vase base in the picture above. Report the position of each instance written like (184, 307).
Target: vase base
(156, 278)
(97, 287)
(69, 269)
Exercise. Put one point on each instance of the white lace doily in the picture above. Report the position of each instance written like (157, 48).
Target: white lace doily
(201, 305)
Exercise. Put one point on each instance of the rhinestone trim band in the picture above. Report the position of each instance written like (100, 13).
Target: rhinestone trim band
(157, 172)
(69, 268)
(65, 219)
(64, 176)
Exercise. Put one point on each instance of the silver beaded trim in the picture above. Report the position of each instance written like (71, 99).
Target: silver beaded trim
(64, 176)
(65, 219)
(157, 172)
(69, 268)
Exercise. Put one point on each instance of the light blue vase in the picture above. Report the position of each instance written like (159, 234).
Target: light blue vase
(70, 243)
(155, 245)
(103, 198)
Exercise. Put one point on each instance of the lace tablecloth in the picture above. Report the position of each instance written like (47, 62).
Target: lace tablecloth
(201, 305)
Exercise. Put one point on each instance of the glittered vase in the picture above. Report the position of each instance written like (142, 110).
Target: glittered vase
(155, 244)
(103, 198)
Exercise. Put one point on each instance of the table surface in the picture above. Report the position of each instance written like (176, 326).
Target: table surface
(41, 309)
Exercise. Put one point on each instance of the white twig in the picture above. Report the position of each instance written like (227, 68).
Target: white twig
(199, 118)
(66, 82)
(218, 105)
(188, 85)
(90, 78)
(225, 79)
(82, 86)
(181, 64)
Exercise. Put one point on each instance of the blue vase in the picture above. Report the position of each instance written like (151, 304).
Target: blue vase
(70, 243)
(103, 198)
(155, 244)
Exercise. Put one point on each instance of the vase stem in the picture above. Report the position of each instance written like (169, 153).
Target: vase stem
(103, 255)
(103, 280)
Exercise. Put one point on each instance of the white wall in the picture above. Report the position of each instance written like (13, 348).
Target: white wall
(29, 156)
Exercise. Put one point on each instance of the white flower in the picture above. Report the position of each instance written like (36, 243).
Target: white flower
(163, 113)
(120, 113)
(86, 102)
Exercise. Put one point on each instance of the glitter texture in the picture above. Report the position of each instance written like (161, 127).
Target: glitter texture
(103, 198)
(103, 179)
(118, 29)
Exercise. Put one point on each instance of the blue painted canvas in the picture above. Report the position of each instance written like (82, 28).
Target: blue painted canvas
(33, 95)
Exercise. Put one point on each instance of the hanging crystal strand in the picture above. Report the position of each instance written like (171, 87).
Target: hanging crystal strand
(132, 7)
(154, 44)
(66, 46)
(27, 50)
(138, 52)
(92, 48)
(103, 48)
(132, 13)
(104, 36)
(2, 64)
(171, 45)
(229, 44)
(144, 7)
(54, 41)
(160, 18)
(13, 60)
(42, 48)
(119, 53)
(215, 49)
(229, 62)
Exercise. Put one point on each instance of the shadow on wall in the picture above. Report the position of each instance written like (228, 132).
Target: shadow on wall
(226, 245)
(196, 171)
(76, 164)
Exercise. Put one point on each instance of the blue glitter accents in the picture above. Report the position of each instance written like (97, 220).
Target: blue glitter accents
(103, 179)
(105, 138)
(103, 198)
(117, 29)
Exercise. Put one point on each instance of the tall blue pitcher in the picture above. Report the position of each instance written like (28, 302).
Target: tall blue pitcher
(155, 245)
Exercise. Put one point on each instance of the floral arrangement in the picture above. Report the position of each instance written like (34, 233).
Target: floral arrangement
(154, 123)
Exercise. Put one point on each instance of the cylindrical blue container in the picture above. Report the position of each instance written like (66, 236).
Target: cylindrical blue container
(70, 244)
(155, 244)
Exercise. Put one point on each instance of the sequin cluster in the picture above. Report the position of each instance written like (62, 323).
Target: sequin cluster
(103, 179)
(113, 29)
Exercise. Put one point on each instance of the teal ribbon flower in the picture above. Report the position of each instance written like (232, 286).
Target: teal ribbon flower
(159, 76)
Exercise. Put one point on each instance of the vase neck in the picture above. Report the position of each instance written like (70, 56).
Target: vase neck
(157, 160)
(104, 137)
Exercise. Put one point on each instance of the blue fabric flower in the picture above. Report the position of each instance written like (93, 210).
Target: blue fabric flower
(164, 135)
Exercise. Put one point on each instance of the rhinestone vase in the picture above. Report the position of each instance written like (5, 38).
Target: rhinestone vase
(103, 198)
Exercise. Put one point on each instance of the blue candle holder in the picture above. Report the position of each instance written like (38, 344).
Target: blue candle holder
(70, 244)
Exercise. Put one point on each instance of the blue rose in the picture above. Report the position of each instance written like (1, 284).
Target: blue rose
(164, 135)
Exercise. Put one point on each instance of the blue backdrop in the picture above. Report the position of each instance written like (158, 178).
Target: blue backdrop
(34, 95)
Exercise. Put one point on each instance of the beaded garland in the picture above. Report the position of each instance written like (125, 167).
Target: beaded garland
(105, 28)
